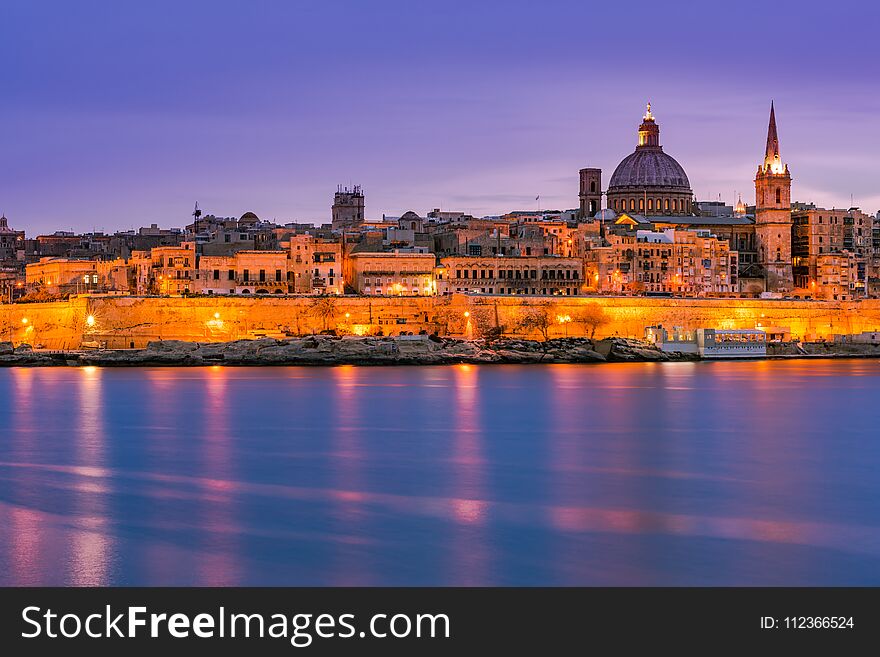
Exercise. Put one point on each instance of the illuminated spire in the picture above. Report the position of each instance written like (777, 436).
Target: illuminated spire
(648, 116)
(772, 138)
(772, 161)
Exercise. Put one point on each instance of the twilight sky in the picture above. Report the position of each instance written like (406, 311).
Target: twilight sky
(120, 114)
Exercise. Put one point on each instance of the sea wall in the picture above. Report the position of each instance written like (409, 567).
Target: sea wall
(132, 322)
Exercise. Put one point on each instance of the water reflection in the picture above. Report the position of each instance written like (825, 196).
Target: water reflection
(91, 542)
(711, 473)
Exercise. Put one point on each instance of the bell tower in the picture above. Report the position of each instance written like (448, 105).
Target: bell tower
(773, 214)
(590, 192)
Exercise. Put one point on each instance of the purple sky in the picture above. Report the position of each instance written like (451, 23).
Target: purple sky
(115, 115)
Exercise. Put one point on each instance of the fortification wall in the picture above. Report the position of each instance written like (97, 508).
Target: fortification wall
(122, 322)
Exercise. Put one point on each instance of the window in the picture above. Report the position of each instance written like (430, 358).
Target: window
(262, 275)
(216, 274)
(593, 186)
(246, 276)
(231, 274)
(778, 195)
(277, 274)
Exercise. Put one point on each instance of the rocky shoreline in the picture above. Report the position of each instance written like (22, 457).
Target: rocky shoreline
(317, 350)
(348, 350)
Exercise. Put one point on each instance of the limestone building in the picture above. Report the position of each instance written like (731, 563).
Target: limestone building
(532, 275)
(348, 207)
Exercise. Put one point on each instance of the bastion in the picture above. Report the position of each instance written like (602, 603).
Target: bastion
(126, 322)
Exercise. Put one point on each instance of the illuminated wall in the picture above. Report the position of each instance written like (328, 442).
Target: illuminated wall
(125, 321)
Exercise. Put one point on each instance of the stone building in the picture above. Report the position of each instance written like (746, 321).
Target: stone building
(590, 193)
(773, 225)
(391, 273)
(649, 181)
(679, 262)
(817, 231)
(532, 275)
(316, 265)
(61, 276)
(245, 272)
(173, 269)
(840, 276)
(11, 243)
(348, 207)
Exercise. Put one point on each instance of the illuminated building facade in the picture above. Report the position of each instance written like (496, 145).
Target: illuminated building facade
(532, 275)
(391, 274)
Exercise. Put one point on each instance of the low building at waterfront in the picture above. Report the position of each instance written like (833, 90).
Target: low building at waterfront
(710, 342)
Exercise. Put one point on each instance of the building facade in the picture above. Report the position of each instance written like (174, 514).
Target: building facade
(531, 275)
(391, 274)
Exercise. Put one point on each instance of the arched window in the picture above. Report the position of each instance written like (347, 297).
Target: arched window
(658, 206)
(675, 205)
(778, 254)
(650, 204)
(632, 204)
(667, 205)
(641, 204)
(593, 186)
(778, 195)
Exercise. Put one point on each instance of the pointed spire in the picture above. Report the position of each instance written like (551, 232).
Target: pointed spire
(772, 152)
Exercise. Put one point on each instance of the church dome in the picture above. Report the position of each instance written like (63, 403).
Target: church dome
(649, 167)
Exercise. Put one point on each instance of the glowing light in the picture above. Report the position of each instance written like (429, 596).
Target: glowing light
(347, 315)
(24, 320)
(562, 319)
(216, 315)
(467, 313)
(90, 320)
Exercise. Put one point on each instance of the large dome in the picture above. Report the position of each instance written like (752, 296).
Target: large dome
(649, 167)
(650, 181)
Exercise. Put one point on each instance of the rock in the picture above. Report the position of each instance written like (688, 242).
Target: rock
(23, 348)
(6, 348)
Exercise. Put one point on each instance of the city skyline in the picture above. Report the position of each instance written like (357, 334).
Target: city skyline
(129, 119)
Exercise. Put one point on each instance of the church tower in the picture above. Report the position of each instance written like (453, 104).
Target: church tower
(590, 193)
(773, 214)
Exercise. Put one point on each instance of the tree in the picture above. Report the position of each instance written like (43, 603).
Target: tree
(636, 287)
(324, 308)
(535, 317)
(590, 316)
